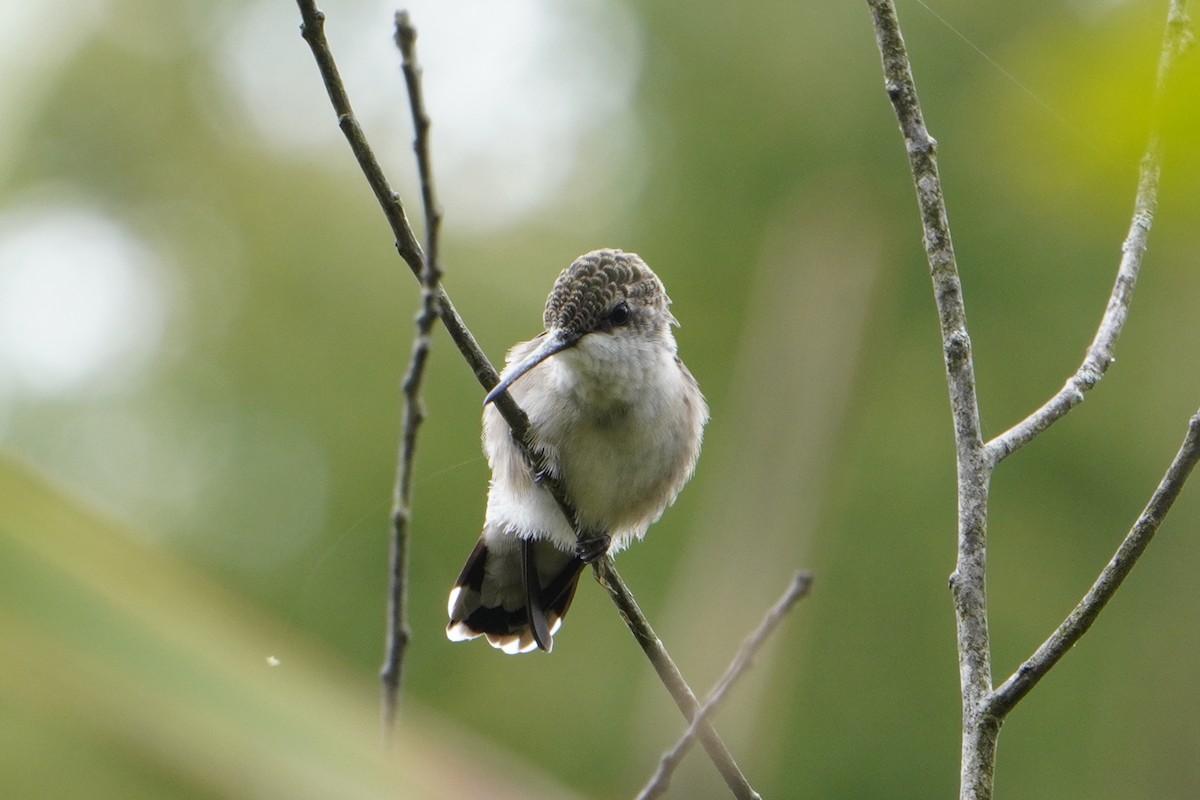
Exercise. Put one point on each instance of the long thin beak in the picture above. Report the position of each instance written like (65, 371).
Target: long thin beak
(553, 343)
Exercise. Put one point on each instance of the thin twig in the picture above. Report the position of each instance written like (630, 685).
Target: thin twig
(661, 780)
(1114, 573)
(672, 678)
(1177, 38)
(1100, 354)
(406, 41)
(398, 633)
(312, 30)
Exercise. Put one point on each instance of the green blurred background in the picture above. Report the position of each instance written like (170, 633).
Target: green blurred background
(203, 326)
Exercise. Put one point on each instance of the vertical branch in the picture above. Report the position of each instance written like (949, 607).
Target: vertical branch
(398, 633)
(406, 41)
(968, 582)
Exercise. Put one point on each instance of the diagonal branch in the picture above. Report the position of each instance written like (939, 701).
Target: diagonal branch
(312, 30)
(1100, 354)
(672, 678)
(1114, 573)
(660, 781)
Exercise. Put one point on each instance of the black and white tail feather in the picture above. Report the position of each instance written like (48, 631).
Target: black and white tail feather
(515, 596)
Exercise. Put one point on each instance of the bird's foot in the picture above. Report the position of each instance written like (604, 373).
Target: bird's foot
(591, 546)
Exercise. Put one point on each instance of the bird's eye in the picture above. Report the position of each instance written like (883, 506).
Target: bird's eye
(620, 314)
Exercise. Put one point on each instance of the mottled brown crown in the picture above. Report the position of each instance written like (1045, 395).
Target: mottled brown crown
(587, 291)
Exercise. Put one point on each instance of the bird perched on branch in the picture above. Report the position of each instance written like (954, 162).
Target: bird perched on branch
(615, 417)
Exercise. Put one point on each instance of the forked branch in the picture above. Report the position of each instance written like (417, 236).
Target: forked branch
(984, 710)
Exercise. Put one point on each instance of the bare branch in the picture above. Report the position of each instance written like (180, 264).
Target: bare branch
(1100, 354)
(398, 633)
(983, 710)
(312, 30)
(1177, 38)
(672, 678)
(660, 781)
(1114, 573)
(406, 41)
(968, 580)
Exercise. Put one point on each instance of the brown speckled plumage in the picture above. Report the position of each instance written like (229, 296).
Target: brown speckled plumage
(585, 291)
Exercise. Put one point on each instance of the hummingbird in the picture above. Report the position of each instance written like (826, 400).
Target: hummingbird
(617, 420)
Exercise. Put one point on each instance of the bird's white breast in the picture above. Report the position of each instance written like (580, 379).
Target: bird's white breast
(619, 419)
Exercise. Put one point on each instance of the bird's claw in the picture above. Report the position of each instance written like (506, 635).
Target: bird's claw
(591, 547)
